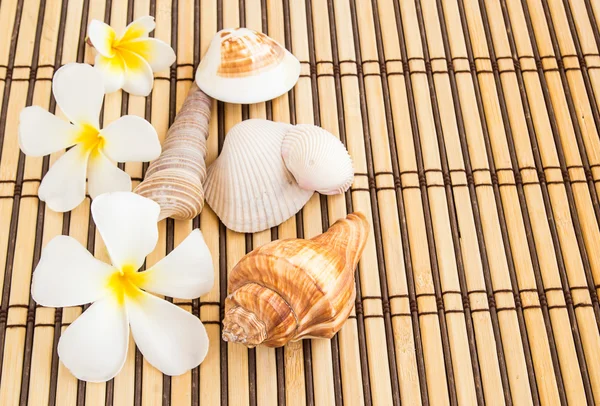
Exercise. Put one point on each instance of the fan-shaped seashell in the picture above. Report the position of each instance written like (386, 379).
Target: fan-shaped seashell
(246, 66)
(317, 159)
(248, 185)
(291, 289)
(174, 180)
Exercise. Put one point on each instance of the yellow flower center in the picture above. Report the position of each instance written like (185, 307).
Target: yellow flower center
(126, 282)
(90, 137)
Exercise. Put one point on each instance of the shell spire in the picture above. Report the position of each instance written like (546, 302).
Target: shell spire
(175, 179)
(291, 289)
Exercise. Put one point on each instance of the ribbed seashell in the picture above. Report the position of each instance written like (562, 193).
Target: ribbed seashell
(317, 159)
(291, 289)
(247, 52)
(246, 66)
(175, 179)
(248, 186)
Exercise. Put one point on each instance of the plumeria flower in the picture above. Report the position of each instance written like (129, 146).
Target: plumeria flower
(127, 61)
(79, 92)
(94, 346)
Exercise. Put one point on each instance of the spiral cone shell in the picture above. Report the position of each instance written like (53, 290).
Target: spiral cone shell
(290, 289)
(317, 159)
(175, 179)
(245, 66)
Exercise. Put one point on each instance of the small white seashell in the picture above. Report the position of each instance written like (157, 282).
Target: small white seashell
(246, 66)
(317, 159)
(248, 186)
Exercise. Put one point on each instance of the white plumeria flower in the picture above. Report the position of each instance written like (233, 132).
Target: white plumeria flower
(127, 61)
(94, 346)
(79, 92)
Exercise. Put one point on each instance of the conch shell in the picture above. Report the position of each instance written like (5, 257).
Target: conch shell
(174, 180)
(292, 289)
(246, 66)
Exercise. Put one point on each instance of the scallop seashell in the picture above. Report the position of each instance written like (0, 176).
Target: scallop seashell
(174, 180)
(246, 66)
(292, 289)
(317, 159)
(248, 185)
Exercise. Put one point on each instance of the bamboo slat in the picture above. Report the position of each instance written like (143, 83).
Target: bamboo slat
(474, 130)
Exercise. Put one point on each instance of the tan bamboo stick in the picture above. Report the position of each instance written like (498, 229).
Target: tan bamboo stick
(210, 369)
(566, 233)
(95, 392)
(379, 373)
(572, 66)
(265, 360)
(596, 10)
(350, 361)
(66, 387)
(295, 385)
(320, 349)
(545, 374)
(42, 353)
(589, 47)
(152, 379)
(7, 19)
(483, 329)
(14, 333)
(589, 133)
(43, 336)
(571, 373)
(513, 348)
(355, 144)
(237, 355)
(181, 386)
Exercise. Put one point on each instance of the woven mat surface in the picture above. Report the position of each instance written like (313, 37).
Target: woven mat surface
(474, 130)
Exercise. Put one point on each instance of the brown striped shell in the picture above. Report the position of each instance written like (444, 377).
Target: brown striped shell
(246, 52)
(245, 66)
(174, 180)
(291, 289)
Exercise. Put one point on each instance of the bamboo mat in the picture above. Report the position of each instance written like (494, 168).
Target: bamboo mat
(474, 130)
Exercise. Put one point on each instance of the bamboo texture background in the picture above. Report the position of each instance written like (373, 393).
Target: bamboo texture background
(474, 130)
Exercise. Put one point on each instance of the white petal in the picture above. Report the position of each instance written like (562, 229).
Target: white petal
(139, 78)
(139, 28)
(94, 346)
(112, 71)
(127, 223)
(102, 36)
(187, 272)
(42, 133)
(68, 275)
(105, 176)
(171, 339)
(63, 187)
(79, 90)
(157, 53)
(131, 139)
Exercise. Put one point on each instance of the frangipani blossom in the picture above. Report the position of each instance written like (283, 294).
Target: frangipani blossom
(79, 92)
(94, 346)
(127, 61)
